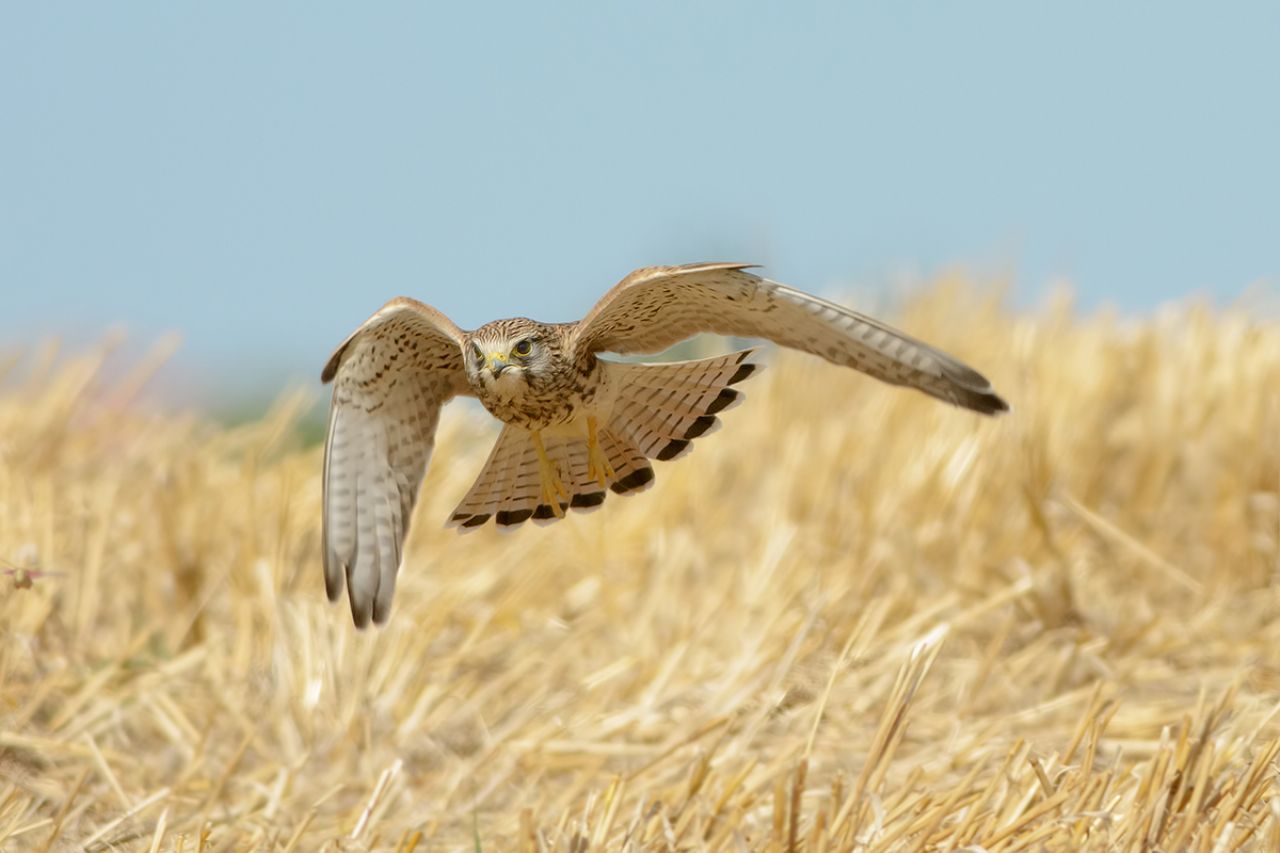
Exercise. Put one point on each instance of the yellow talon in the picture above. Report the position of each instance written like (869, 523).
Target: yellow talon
(598, 467)
(552, 489)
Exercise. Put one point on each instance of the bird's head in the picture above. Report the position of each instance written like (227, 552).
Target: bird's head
(506, 355)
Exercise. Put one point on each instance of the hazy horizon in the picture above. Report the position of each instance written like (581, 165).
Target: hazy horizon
(260, 179)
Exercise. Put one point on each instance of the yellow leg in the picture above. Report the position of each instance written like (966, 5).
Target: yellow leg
(598, 467)
(553, 491)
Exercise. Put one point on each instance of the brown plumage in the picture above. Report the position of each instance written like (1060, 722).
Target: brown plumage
(576, 426)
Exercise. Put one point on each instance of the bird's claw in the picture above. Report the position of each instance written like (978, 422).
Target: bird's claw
(553, 490)
(598, 467)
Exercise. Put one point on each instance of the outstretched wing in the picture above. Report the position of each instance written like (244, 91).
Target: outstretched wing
(655, 307)
(390, 379)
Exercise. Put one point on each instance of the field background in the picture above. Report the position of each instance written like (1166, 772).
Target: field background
(854, 618)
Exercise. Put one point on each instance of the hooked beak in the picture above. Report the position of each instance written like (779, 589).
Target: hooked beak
(497, 362)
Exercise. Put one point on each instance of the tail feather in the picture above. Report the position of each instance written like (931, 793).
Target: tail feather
(509, 488)
(569, 456)
(657, 411)
(632, 471)
(664, 407)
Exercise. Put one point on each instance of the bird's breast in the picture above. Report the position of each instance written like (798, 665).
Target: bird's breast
(537, 404)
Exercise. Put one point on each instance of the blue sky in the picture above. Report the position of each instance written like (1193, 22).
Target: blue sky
(261, 176)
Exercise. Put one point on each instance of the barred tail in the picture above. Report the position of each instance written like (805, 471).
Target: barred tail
(509, 488)
(662, 408)
(658, 410)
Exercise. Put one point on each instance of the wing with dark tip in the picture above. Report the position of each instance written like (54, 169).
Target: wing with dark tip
(390, 379)
(656, 307)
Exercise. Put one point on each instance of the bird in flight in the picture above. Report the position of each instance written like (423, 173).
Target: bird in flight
(575, 426)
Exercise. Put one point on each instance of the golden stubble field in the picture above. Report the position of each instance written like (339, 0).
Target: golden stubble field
(853, 619)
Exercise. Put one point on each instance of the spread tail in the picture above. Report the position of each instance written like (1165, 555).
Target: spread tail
(657, 412)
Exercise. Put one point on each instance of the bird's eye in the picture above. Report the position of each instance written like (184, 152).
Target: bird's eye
(479, 354)
(523, 347)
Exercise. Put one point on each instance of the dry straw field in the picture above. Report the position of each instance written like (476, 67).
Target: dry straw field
(854, 619)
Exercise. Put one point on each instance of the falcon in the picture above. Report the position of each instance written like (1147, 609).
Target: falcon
(575, 426)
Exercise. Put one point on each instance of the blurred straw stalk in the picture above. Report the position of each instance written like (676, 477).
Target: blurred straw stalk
(854, 619)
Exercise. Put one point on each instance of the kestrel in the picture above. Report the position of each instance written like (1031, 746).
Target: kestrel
(575, 425)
